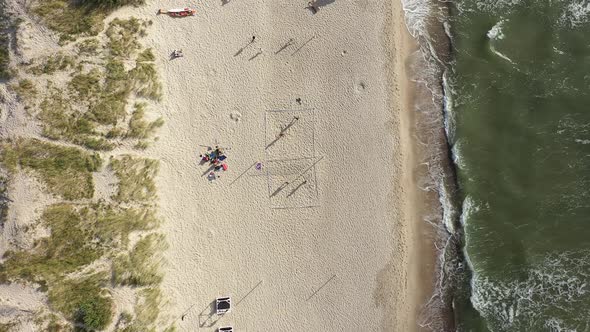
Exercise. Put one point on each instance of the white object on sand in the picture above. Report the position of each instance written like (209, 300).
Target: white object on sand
(178, 12)
(223, 305)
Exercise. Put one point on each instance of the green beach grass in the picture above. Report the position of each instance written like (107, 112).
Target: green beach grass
(123, 36)
(86, 249)
(5, 22)
(4, 58)
(80, 235)
(69, 247)
(140, 266)
(112, 225)
(92, 110)
(26, 91)
(7, 327)
(84, 301)
(136, 178)
(88, 47)
(147, 309)
(66, 171)
(77, 19)
(140, 128)
(52, 64)
(61, 122)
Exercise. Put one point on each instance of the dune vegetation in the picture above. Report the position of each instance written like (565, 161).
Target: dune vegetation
(65, 171)
(92, 95)
(74, 19)
(91, 108)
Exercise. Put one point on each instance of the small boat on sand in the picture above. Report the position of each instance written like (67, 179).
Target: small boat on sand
(178, 12)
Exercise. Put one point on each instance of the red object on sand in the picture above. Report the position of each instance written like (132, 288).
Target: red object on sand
(224, 167)
(178, 12)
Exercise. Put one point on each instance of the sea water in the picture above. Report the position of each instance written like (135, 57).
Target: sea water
(519, 79)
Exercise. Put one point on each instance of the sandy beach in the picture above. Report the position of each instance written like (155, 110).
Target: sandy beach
(317, 223)
(322, 237)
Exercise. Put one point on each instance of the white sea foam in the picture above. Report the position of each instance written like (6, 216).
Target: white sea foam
(493, 49)
(495, 32)
(469, 208)
(417, 13)
(571, 125)
(446, 202)
(457, 155)
(575, 13)
(448, 106)
(449, 211)
(494, 5)
(557, 325)
(427, 68)
(560, 281)
(558, 51)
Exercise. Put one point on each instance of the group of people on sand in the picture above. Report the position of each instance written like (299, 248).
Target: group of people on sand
(216, 159)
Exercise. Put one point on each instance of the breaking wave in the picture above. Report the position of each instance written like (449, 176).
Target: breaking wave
(519, 304)
(547, 287)
(494, 34)
(427, 22)
(525, 304)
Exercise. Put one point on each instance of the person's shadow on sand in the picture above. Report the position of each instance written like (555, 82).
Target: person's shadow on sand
(322, 3)
(315, 5)
(207, 316)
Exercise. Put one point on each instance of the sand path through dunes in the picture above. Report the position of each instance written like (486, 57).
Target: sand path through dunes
(288, 269)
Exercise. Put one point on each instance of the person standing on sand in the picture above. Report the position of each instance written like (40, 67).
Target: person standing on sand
(311, 6)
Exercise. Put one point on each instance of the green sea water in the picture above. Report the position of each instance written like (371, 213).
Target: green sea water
(520, 135)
